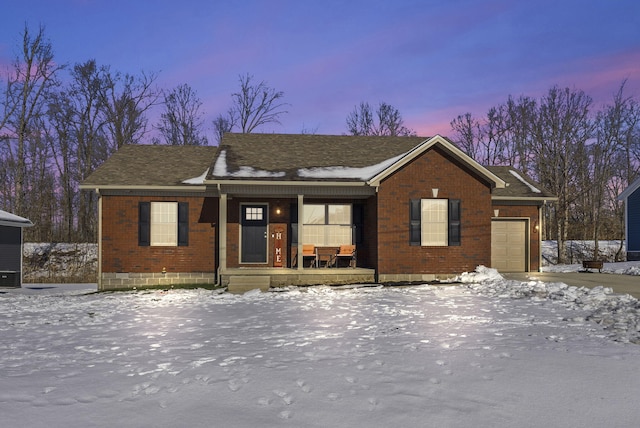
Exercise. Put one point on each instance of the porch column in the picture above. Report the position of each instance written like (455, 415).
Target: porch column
(222, 232)
(300, 208)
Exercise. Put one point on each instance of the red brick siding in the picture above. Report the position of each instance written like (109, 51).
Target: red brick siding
(120, 250)
(531, 212)
(433, 169)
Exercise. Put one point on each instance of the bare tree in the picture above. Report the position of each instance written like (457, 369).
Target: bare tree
(125, 102)
(256, 105)
(468, 135)
(224, 123)
(389, 121)
(34, 73)
(561, 131)
(253, 106)
(181, 123)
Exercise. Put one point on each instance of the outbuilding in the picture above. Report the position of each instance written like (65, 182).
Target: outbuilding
(11, 227)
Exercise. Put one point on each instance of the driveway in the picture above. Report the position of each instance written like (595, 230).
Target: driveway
(623, 284)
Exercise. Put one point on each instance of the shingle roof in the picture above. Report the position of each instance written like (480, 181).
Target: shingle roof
(281, 156)
(272, 157)
(147, 165)
(518, 185)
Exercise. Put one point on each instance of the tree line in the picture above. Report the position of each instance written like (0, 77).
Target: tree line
(58, 123)
(582, 154)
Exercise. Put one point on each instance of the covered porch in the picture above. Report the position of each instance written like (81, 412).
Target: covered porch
(264, 228)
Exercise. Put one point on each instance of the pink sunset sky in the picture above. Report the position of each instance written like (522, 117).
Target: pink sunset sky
(433, 60)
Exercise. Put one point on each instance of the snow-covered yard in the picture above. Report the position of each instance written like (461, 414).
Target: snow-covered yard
(485, 353)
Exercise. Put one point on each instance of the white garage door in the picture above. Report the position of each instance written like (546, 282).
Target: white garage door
(508, 245)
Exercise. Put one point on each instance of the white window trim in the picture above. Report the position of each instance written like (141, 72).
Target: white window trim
(164, 232)
(434, 222)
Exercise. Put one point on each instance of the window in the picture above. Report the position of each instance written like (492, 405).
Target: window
(327, 224)
(163, 224)
(253, 213)
(434, 222)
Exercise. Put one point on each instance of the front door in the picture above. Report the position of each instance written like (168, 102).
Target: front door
(254, 233)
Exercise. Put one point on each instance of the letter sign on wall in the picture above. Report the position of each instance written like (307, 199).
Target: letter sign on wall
(277, 247)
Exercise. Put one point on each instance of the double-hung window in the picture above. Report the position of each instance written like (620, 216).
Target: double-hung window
(434, 222)
(163, 224)
(327, 224)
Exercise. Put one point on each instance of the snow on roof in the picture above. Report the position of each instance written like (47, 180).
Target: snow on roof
(8, 219)
(348, 172)
(197, 180)
(220, 170)
(525, 182)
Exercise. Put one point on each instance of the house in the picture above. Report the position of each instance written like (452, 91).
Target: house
(11, 227)
(631, 198)
(414, 208)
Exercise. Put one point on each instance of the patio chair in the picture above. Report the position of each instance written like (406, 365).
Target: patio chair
(345, 252)
(309, 251)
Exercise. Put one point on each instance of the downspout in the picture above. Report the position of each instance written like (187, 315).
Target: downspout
(99, 239)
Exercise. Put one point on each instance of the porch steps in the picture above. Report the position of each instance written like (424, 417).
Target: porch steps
(239, 284)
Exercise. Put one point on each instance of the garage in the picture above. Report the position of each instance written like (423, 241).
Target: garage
(509, 245)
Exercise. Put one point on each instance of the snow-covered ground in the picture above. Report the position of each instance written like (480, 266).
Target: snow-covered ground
(485, 353)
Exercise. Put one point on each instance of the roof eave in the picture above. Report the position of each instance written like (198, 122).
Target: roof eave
(15, 223)
(182, 188)
(629, 190)
(525, 198)
(286, 183)
(496, 181)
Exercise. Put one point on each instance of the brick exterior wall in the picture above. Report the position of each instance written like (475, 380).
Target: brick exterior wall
(434, 169)
(120, 250)
(525, 211)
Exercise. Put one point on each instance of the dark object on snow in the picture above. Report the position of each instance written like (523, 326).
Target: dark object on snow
(592, 264)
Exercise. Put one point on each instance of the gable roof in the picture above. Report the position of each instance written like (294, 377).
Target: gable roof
(152, 166)
(290, 157)
(629, 190)
(518, 186)
(8, 219)
(328, 158)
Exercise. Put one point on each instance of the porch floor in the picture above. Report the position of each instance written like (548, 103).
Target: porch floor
(282, 277)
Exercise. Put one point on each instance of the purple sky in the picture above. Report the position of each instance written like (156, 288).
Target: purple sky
(432, 60)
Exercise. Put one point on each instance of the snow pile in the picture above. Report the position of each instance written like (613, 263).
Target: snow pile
(220, 170)
(632, 269)
(618, 314)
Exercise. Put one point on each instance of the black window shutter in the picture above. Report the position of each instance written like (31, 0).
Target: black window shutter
(414, 222)
(144, 224)
(454, 222)
(183, 224)
(358, 222)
